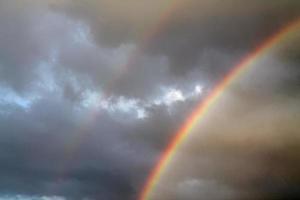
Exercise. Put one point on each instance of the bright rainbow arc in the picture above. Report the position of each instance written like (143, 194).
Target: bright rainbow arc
(204, 106)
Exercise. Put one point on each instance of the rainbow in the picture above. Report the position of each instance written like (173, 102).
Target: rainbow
(200, 111)
(147, 37)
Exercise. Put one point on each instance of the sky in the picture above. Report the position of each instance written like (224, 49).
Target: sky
(91, 93)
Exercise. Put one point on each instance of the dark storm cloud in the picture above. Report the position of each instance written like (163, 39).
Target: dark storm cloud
(41, 154)
(191, 28)
(35, 36)
(54, 53)
(198, 35)
(56, 148)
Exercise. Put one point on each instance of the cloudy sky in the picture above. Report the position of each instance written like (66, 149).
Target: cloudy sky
(92, 91)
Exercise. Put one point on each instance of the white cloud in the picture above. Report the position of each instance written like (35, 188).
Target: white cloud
(169, 97)
(92, 99)
(141, 114)
(119, 105)
(134, 107)
(198, 89)
(172, 95)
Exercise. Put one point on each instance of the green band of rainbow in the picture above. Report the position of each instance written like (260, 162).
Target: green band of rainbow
(204, 106)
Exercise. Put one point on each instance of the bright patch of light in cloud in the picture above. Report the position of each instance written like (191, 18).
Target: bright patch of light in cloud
(173, 95)
(137, 108)
(8, 96)
(170, 96)
(92, 99)
(141, 113)
(127, 106)
(121, 104)
(198, 89)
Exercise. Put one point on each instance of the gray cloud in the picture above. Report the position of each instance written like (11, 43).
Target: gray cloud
(74, 74)
(191, 27)
(38, 155)
(63, 150)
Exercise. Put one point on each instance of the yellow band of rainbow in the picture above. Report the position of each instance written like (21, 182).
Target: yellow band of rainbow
(200, 111)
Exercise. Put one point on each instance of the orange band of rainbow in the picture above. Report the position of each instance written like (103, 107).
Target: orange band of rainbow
(204, 106)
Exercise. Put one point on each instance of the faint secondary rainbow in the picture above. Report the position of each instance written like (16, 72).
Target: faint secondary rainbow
(149, 35)
(201, 110)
